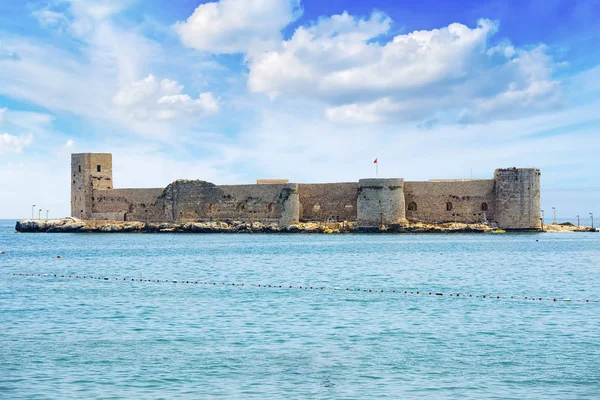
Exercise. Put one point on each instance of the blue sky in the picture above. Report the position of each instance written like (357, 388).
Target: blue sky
(234, 90)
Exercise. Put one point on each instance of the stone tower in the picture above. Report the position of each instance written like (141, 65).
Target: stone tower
(290, 213)
(517, 198)
(380, 201)
(89, 172)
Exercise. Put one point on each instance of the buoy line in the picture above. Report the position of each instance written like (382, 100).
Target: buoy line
(316, 288)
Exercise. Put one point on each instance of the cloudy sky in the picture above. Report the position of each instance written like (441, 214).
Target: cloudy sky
(233, 90)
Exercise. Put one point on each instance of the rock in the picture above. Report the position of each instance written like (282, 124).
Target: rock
(111, 228)
(76, 225)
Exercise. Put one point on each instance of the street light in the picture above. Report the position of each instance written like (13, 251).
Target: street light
(32, 207)
(592, 217)
(554, 209)
(40, 214)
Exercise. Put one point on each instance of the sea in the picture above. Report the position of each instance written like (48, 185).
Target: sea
(299, 316)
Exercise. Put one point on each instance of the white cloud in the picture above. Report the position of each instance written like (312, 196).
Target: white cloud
(344, 62)
(51, 19)
(149, 99)
(14, 144)
(7, 54)
(372, 112)
(237, 26)
(106, 59)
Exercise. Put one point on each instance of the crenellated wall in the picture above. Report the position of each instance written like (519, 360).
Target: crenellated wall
(511, 199)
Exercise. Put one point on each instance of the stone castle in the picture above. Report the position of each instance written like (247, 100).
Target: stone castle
(511, 199)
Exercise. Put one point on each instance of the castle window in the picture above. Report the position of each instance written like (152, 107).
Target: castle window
(317, 207)
(412, 206)
(348, 207)
(241, 207)
(80, 168)
(98, 168)
(448, 206)
(484, 207)
(271, 207)
(212, 208)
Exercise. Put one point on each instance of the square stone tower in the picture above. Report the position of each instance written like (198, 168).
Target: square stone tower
(89, 172)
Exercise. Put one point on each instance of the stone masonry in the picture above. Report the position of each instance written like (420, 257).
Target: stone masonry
(511, 199)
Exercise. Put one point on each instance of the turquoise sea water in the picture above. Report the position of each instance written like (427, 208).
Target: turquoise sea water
(84, 338)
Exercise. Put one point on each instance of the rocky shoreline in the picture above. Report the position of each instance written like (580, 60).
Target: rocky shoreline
(71, 225)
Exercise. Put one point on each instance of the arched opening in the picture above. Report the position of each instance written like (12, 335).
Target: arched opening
(448, 206)
(484, 207)
(241, 207)
(412, 206)
(212, 208)
(271, 207)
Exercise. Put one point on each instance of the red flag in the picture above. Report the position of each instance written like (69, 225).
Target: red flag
(375, 162)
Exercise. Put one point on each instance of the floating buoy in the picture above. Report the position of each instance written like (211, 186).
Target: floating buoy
(2, 252)
(58, 257)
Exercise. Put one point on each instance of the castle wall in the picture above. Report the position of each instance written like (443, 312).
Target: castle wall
(200, 200)
(129, 204)
(518, 198)
(468, 200)
(511, 199)
(321, 201)
(381, 201)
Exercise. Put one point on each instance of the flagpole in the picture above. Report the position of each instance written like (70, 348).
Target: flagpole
(377, 169)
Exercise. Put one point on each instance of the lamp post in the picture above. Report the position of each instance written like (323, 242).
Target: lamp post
(592, 217)
(578, 221)
(542, 218)
(47, 212)
(40, 214)
(554, 210)
(32, 207)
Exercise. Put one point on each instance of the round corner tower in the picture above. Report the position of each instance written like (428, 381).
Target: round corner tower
(290, 213)
(517, 198)
(381, 202)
